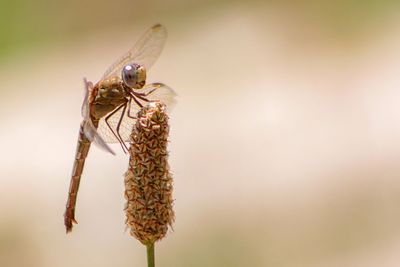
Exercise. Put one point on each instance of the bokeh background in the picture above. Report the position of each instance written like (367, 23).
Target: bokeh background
(285, 143)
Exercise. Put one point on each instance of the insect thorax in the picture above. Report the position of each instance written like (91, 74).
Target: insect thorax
(108, 95)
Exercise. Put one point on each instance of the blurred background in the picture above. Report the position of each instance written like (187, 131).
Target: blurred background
(285, 143)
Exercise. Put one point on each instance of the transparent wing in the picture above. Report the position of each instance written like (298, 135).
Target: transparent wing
(91, 134)
(152, 92)
(88, 127)
(125, 127)
(145, 52)
(159, 92)
(88, 86)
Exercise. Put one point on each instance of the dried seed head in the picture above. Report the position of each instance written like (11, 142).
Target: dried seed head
(148, 181)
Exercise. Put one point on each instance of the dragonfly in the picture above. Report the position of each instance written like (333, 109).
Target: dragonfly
(110, 106)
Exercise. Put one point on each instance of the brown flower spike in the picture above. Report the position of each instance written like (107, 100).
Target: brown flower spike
(148, 181)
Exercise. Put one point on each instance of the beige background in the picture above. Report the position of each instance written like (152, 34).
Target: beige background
(285, 142)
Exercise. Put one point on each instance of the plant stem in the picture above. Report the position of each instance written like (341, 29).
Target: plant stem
(150, 255)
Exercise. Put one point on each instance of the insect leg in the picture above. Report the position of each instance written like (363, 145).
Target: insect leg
(118, 126)
(112, 130)
(129, 109)
(133, 95)
(140, 96)
(146, 94)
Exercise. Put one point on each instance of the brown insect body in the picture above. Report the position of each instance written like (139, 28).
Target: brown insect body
(82, 150)
(107, 95)
(109, 104)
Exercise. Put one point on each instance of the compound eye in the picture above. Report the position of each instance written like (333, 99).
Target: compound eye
(134, 76)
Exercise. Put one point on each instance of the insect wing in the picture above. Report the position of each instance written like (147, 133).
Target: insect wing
(159, 92)
(88, 86)
(145, 52)
(88, 127)
(91, 134)
(149, 93)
